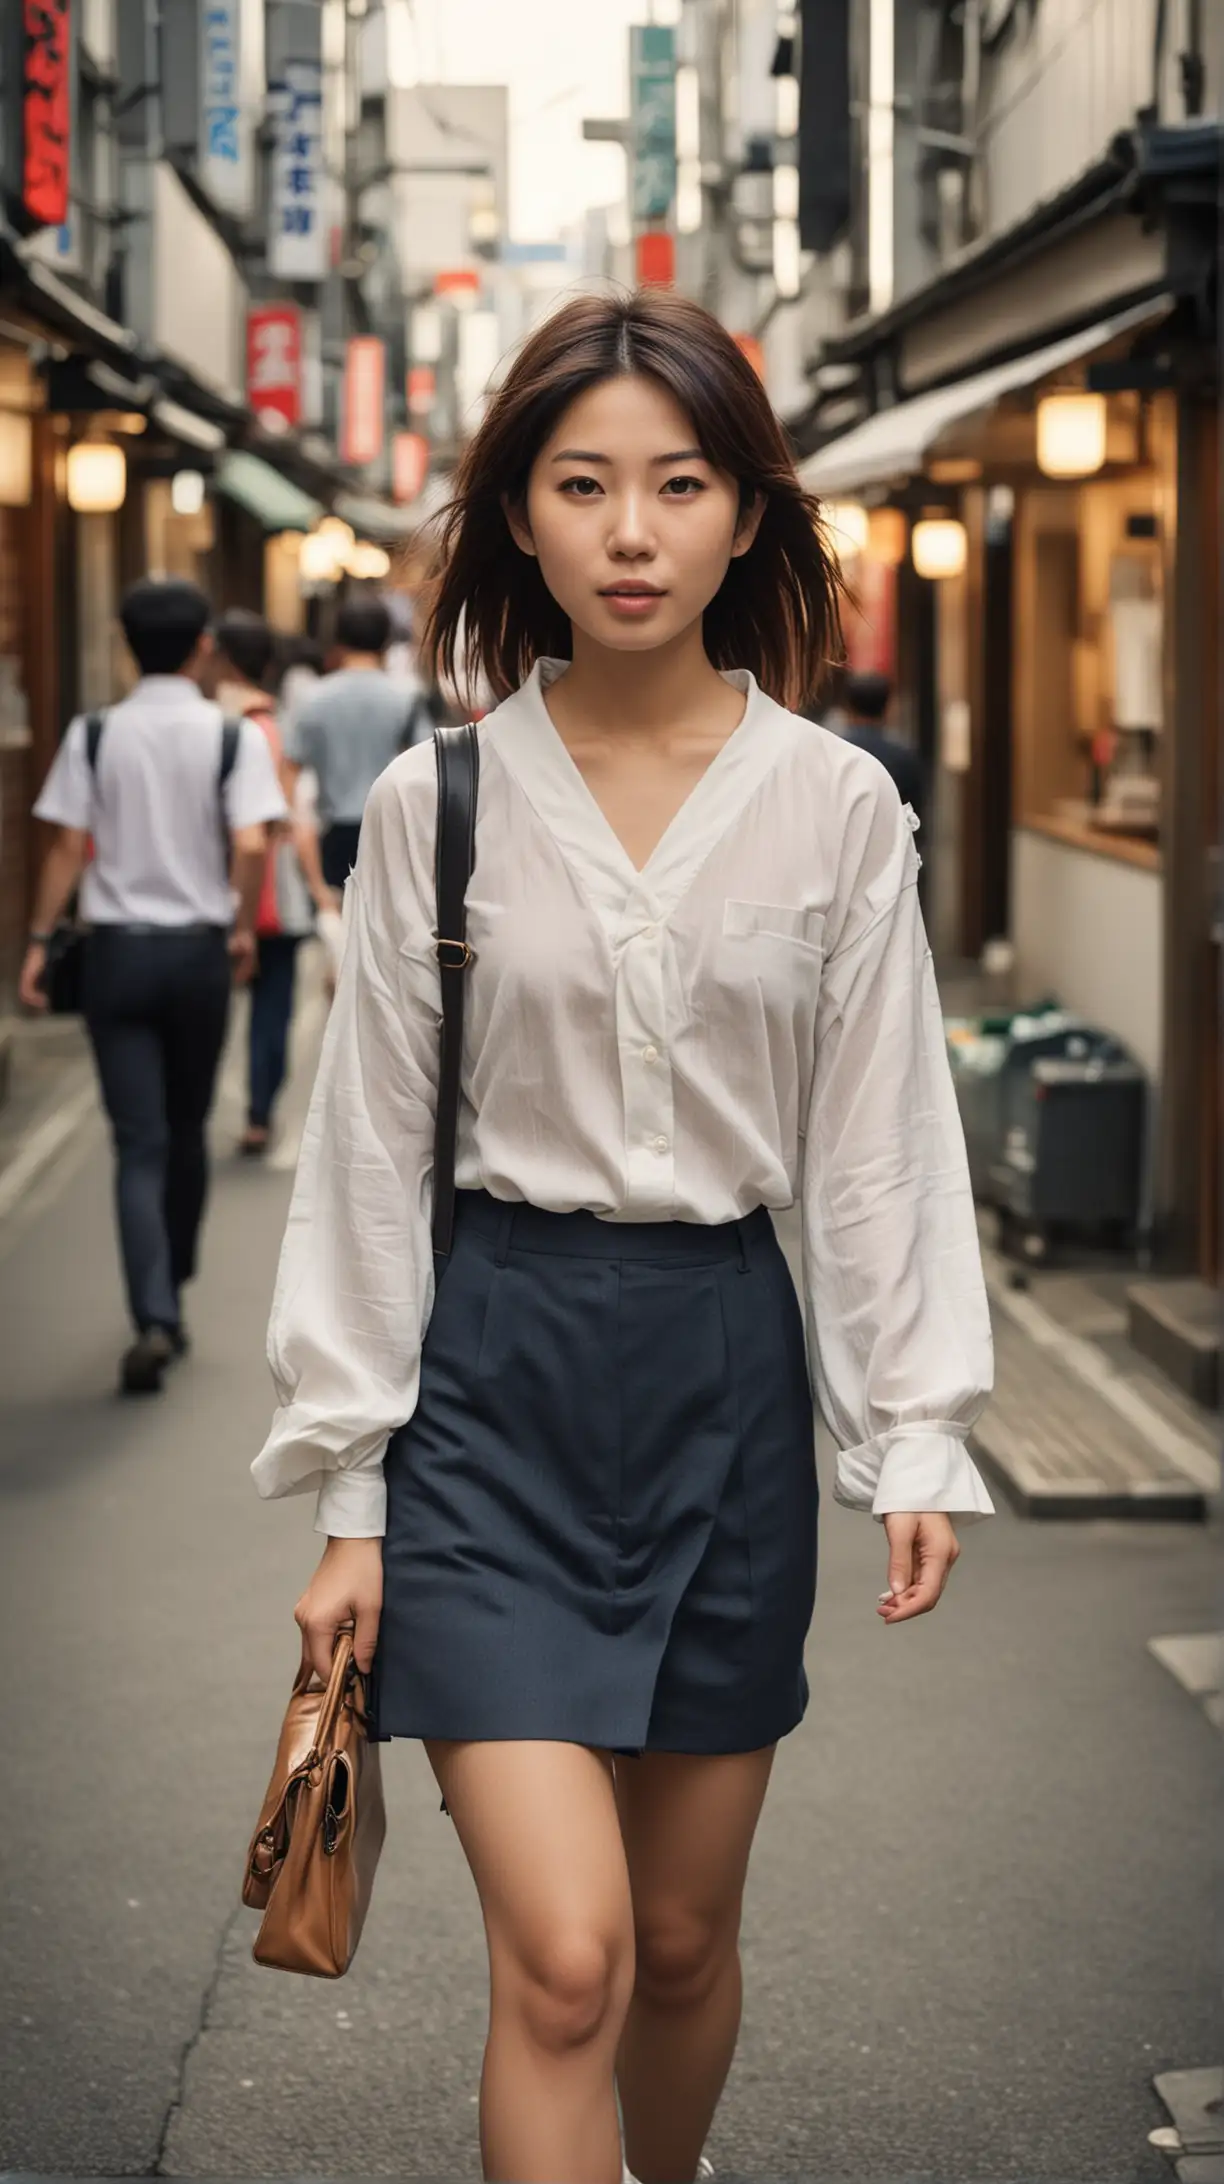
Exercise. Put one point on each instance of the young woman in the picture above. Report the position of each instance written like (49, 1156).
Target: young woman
(576, 1517)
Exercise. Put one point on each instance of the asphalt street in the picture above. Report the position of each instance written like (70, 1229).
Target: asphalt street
(983, 1911)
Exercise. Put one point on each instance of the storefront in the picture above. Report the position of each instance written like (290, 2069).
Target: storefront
(1058, 661)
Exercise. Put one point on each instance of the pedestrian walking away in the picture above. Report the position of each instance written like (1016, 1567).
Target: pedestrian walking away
(566, 1476)
(238, 670)
(169, 793)
(351, 726)
(865, 702)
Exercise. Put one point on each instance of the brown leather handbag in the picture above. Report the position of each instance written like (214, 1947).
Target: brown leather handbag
(310, 1866)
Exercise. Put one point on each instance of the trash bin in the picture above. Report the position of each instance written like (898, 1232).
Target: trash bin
(991, 1057)
(1072, 1153)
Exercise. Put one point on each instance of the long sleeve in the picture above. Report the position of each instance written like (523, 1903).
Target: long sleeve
(898, 1321)
(355, 1283)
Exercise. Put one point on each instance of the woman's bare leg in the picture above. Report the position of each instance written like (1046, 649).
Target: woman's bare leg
(539, 1828)
(687, 1825)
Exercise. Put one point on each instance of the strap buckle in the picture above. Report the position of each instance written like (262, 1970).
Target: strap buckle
(459, 962)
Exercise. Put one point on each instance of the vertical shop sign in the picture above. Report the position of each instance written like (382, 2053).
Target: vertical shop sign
(274, 365)
(46, 110)
(420, 387)
(409, 464)
(226, 151)
(652, 114)
(362, 428)
(297, 240)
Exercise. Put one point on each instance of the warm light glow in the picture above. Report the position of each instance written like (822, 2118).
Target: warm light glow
(15, 459)
(786, 106)
(369, 562)
(887, 536)
(847, 522)
(341, 534)
(786, 257)
(953, 470)
(97, 478)
(688, 113)
(689, 206)
(324, 553)
(786, 193)
(939, 547)
(187, 492)
(1071, 434)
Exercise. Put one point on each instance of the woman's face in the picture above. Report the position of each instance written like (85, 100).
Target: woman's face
(632, 527)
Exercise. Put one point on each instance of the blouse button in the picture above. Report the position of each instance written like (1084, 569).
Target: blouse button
(650, 1054)
(660, 1144)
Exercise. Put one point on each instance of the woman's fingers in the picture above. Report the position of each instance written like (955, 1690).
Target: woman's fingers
(922, 1550)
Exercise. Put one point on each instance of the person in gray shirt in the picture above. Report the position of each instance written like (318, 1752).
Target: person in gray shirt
(353, 723)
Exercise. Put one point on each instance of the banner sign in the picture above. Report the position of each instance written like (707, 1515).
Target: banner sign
(226, 149)
(421, 388)
(297, 238)
(652, 115)
(409, 464)
(47, 111)
(274, 365)
(362, 420)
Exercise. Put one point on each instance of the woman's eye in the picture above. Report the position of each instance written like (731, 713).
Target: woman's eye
(576, 487)
(684, 488)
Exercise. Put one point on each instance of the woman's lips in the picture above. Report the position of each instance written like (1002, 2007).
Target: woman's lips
(632, 604)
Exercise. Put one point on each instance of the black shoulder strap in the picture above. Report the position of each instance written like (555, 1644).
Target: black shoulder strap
(458, 755)
(231, 736)
(93, 739)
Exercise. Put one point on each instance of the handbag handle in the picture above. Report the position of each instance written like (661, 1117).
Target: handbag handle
(333, 1693)
(458, 755)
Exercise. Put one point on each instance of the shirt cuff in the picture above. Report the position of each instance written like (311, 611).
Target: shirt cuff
(353, 1504)
(913, 1470)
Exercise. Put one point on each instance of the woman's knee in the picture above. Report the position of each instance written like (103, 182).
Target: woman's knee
(681, 1952)
(571, 1988)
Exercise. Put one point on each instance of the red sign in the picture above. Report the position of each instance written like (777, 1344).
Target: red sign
(656, 259)
(463, 283)
(871, 620)
(362, 424)
(421, 388)
(274, 365)
(409, 463)
(47, 110)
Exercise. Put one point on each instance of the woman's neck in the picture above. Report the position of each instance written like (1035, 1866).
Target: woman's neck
(613, 693)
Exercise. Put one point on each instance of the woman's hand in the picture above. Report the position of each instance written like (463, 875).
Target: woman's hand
(921, 1550)
(346, 1588)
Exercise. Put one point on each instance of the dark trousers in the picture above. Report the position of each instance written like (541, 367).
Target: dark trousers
(338, 850)
(271, 1014)
(156, 1003)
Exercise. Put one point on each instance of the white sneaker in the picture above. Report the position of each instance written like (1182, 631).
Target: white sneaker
(705, 2167)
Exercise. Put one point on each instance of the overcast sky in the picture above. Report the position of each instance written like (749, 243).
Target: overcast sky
(562, 59)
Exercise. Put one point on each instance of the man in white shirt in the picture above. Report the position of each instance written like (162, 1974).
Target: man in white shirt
(176, 800)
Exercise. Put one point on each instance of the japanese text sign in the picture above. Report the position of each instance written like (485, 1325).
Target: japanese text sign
(47, 110)
(297, 239)
(274, 365)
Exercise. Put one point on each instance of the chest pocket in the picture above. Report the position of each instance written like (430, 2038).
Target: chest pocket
(773, 922)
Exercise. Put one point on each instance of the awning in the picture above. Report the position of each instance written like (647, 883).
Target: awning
(273, 501)
(894, 443)
(388, 520)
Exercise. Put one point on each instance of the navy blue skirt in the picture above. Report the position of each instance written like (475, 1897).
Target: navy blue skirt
(602, 1516)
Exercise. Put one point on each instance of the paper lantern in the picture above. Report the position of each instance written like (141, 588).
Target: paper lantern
(187, 492)
(939, 547)
(369, 562)
(97, 478)
(16, 459)
(1071, 434)
(887, 536)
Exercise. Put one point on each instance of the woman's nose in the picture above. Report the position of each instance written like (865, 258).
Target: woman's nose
(631, 530)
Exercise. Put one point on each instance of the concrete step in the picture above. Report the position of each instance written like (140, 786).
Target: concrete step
(1177, 1325)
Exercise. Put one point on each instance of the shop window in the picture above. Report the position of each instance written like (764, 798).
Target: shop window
(1088, 676)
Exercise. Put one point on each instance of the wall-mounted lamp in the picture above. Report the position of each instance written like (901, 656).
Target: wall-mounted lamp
(939, 547)
(887, 536)
(848, 525)
(16, 459)
(187, 492)
(97, 478)
(1071, 434)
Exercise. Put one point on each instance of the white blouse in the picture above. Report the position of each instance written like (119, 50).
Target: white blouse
(750, 1019)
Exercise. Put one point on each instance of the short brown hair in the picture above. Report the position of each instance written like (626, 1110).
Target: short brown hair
(777, 609)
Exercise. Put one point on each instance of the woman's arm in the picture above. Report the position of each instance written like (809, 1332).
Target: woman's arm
(898, 1319)
(355, 1283)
